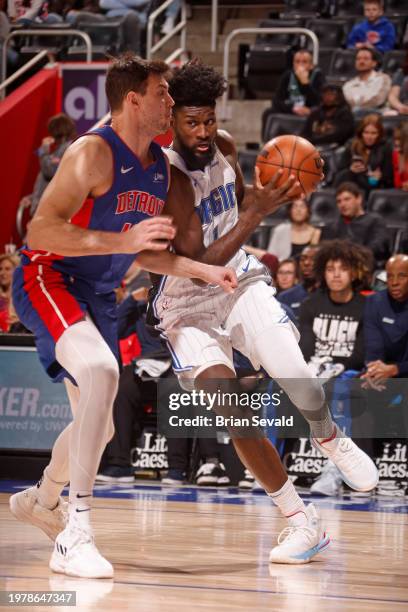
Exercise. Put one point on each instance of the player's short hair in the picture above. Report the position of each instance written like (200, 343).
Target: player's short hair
(372, 52)
(196, 84)
(379, 3)
(350, 187)
(128, 72)
(359, 258)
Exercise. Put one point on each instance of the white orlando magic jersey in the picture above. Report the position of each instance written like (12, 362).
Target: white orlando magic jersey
(216, 206)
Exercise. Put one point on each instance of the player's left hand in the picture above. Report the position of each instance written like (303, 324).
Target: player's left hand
(269, 197)
(225, 278)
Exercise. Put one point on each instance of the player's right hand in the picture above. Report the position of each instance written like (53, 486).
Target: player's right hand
(269, 197)
(150, 235)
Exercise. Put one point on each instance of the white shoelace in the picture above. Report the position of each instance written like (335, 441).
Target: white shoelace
(289, 532)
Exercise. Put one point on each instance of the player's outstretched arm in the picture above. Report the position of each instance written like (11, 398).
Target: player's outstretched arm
(86, 170)
(175, 265)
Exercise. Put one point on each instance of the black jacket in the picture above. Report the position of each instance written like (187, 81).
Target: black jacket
(311, 91)
(386, 331)
(368, 230)
(339, 126)
(380, 157)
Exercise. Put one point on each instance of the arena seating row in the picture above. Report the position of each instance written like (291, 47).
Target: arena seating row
(344, 7)
(278, 124)
(106, 37)
(390, 204)
(265, 64)
(330, 32)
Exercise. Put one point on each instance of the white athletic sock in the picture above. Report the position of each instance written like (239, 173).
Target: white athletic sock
(290, 504)
(330, 442)
(49, 491)
(80, 508)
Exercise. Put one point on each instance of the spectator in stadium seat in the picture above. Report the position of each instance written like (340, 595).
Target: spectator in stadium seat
(386, 325)
(332, 328)
(367, 229)
(29, 12)
(290, 237)
(398, 96)
(331, 319)
(368, 159)
(211, 472)
(332, 122)
(118, 8)
(298, 90)
(88, 12)
(286, 275)
(400, 157)
(8, 264)
(295, 296)
(376, 31)
(62, 132)
(5, 26)
(170, 17)
(370, 88)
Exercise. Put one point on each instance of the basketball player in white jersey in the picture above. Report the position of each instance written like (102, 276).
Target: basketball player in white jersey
(202, 325)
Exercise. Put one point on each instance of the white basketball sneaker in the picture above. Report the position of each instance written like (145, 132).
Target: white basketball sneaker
(25, 507)
(356, 467)
(329, 482)
(75, 554)
(298, 544)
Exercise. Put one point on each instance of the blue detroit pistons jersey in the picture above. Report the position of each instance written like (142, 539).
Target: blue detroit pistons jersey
(135, 194)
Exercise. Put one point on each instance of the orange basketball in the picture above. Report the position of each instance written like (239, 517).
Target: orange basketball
(294, 155)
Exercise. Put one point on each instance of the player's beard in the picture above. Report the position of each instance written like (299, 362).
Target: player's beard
(194, 160)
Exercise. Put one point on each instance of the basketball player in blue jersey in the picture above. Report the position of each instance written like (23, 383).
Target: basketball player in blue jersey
(202, 325)
(64, 290)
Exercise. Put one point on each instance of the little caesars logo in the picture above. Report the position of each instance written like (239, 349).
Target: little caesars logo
(152, 453)
(304, 461)
(393, 462)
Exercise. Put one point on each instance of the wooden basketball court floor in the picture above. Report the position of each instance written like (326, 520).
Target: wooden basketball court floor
(184, 548)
